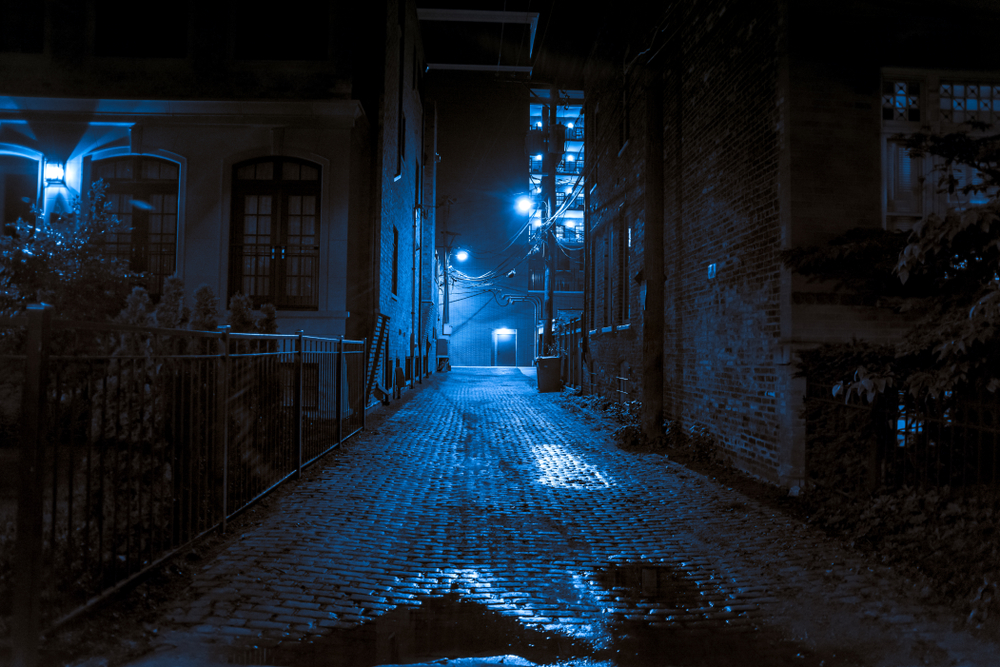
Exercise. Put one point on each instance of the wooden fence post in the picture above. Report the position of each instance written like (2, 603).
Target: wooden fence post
(28, 554)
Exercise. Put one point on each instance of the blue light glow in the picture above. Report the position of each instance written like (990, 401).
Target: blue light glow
(461, 255)
(524, 204)
(54, 171)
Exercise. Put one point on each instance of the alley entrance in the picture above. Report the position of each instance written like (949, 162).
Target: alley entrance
(483, 518)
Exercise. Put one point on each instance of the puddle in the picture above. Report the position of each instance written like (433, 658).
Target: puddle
(649, 614)
(436, 629)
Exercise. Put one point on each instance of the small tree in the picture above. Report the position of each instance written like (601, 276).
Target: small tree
(65, 263)
(944, 274)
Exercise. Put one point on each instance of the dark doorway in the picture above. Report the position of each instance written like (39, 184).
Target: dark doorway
(18, 188)
(506, 349)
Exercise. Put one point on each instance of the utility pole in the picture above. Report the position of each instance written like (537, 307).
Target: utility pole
(550, 160)
(445, 319)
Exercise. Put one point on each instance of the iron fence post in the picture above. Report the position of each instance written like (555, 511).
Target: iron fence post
(339, 390)
(364, 400)
(223, 408)
(297, 403)
(28, 554)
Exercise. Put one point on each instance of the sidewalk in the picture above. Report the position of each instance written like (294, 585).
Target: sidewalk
(482, 519)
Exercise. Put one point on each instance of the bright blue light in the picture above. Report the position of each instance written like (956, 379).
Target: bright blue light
(54, 171)
(461, 255)
(524, 204)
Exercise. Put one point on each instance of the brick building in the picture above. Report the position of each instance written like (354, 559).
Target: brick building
(776, 121)
(278, 154)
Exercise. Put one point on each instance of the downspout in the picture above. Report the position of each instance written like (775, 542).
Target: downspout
(413, 292)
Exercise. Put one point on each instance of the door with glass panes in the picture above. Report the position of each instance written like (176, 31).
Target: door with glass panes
(274, 252)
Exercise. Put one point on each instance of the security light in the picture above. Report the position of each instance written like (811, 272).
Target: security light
(461, 255)
(524, 204)
(54, 172)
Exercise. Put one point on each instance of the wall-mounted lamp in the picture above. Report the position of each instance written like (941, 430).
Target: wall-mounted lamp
(54, 173)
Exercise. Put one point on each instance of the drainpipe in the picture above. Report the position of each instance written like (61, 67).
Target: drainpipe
(413, 292)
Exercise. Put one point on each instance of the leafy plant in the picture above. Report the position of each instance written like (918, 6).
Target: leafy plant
(66, 262)
(945, 276)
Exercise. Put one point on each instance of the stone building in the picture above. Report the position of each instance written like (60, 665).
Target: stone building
(277, 154)
(777, 122)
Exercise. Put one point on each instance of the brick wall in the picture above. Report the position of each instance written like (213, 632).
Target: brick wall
(401, 152)
(722, 145)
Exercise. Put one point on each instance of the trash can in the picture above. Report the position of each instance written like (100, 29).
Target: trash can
(548, 374)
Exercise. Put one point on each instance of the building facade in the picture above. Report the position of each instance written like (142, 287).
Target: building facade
(280, 156)
(774, 136)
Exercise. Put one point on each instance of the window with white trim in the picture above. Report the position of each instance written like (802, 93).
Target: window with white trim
(274, 249)
(143, 192)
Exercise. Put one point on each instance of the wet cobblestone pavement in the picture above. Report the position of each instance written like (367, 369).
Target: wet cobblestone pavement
(485, 519)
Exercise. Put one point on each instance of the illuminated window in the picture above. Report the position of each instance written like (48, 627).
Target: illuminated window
(904, 176)
(274, 251)
(901, 100)
(962, 102)
(142, 192)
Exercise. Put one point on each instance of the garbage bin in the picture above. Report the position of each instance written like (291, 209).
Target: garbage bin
(548, 374)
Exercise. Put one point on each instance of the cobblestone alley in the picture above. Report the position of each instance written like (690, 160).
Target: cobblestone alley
(484, 519)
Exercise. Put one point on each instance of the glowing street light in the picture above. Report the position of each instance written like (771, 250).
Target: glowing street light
(461, 255)
(525, 204)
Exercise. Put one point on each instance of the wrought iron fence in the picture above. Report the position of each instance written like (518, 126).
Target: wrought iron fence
(952, 440)
(133, 442)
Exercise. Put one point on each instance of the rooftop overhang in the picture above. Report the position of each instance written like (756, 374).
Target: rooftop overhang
(483, 16)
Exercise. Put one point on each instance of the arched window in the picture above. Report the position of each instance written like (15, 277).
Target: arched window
(142, 191)
(274, 251)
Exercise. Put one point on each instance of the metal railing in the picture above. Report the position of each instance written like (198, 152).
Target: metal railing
(134, 442)
(953, 440)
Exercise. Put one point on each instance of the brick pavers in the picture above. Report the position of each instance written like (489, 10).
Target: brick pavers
(481, 493)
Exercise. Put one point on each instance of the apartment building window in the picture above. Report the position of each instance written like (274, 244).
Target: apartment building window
(299, 31)
(606, 283)
(915, 186)
(624, 129)
(622, 311)
(961, 102)
(901, 100)
(904, 180)
(163, 32)
(395, 260)
(142, 193)
(274, 250)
